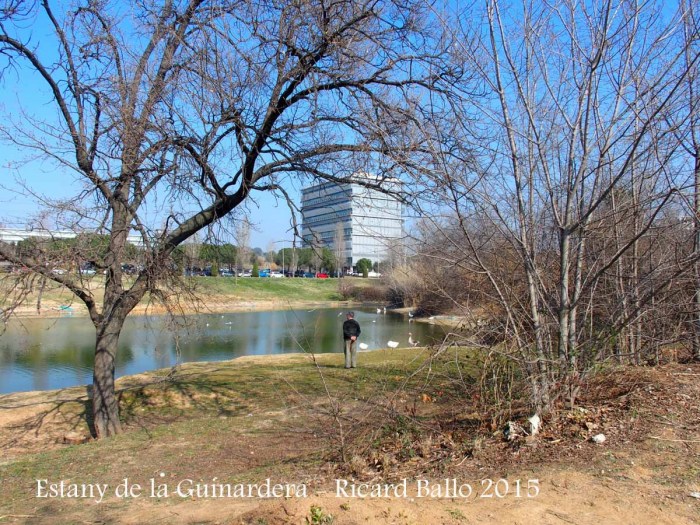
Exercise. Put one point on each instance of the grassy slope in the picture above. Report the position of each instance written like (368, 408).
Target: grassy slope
(192, 423)
(250, 289)
(211, 290)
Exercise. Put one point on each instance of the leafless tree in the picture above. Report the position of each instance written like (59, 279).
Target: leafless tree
(688, 133)
(554, 169)
(185, 110)
(242, 234)
(339, 248)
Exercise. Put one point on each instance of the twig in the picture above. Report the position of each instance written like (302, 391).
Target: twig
(676, 440)
(463, 460)
(562, 517)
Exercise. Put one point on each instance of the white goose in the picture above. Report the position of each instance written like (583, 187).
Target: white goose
(392, 344)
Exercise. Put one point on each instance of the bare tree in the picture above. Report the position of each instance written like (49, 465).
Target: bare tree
(193, 107)
(339, 248)
(689, 137)
(242, 234)
(571, 115)
(192, 249)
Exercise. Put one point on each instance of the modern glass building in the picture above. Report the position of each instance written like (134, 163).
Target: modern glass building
(354, 221)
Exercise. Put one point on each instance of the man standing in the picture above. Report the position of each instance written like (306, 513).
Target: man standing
(351, 331)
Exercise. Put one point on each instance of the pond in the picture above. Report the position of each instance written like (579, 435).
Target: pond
(43, 354)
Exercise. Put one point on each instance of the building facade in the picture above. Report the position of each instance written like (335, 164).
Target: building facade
(354, 221)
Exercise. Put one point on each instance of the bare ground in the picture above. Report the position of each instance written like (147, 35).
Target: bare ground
(645, 472)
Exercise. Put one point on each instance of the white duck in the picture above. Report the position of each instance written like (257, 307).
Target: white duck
(393, 344)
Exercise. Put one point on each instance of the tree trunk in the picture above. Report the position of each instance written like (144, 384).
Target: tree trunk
(696, 266)
(564, 303)
(42, 287)
(105, 405)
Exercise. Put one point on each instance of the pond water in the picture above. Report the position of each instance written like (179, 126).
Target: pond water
(42, 354)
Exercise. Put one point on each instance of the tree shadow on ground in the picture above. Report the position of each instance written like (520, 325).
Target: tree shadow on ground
(30, 422)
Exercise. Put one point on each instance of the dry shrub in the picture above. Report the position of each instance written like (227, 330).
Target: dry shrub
(377, 293)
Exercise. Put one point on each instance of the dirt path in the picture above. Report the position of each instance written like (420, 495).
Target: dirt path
(565, 497)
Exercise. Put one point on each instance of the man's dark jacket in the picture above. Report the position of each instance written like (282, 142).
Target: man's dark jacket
(351, 328)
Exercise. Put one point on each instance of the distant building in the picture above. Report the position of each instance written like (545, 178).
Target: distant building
(14, 235)
(355, 222)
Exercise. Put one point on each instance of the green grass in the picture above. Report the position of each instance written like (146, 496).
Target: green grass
(227, 290)
(202, 421)
(247, 386)
(248, 288)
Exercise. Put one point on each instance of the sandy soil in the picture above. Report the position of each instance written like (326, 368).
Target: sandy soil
(566, 496)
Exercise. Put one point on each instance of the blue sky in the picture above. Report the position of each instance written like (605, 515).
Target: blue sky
(270, 217)
(22, 91)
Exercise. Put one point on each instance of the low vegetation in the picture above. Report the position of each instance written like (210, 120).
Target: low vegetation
(403, 414)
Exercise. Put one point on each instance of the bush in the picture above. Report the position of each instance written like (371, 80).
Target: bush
(364, 266)
(370, 294)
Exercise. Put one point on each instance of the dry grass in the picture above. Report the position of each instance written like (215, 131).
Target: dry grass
(402, 416)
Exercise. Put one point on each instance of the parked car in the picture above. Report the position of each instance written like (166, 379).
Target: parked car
(309, 275)
(225, 273)
(276, 275)
(87, 271)
(321, 275)
(196, 271)
(264, 273)
(129, 269)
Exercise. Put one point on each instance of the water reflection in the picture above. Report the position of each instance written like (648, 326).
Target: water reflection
(39, 354)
